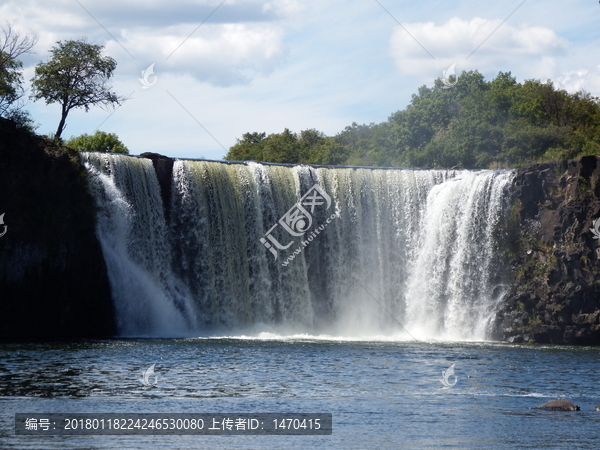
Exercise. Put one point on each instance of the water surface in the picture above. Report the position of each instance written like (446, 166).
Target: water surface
(382, 394)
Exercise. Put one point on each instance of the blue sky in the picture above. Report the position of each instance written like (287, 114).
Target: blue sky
(265, 65)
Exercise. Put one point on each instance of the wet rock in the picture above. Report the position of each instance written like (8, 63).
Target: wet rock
(555, 259)
(163, 166)
(546, 334)
(559, 405)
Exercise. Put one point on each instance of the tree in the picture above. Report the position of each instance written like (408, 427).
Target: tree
(12, 45)
(248, 148)
(98, 142)
(281, 148)
(76, 76)
(476, 124)
(253, 138)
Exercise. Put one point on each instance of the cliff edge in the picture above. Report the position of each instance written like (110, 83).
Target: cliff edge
(555, 258)
(53, 281)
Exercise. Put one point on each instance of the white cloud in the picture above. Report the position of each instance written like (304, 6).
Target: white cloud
(501, 46)
(241, 40)
(222, 55)
(285, 8)
(582, 79)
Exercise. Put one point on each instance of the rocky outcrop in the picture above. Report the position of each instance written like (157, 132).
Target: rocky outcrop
(555, 258)
(53, 280)
(163, 166)
(559, 405)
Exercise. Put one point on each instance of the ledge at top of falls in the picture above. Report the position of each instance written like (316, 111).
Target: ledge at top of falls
(157, 156)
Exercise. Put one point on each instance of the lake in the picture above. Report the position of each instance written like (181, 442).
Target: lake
(381, 393)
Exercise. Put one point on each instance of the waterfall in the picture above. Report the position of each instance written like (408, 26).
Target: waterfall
(352, 252)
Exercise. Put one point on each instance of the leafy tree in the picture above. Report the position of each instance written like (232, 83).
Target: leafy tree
(253, 138)
(474, 124)
(12, 45)
(285, 147)
(98, 142)
(282, 148)
(249, 148)
(76, 76)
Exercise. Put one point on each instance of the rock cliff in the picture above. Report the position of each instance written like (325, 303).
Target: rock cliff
(556, 260)
(53, 280)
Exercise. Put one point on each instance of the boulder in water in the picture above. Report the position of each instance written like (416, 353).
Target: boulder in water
(559, 405)
(598, 407)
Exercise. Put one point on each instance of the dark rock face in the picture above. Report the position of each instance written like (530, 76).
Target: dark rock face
(559, 405)
(163, 166)
(53, 280)
(555, 258)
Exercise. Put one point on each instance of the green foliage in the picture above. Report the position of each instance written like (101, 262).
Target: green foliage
(98, 142)
(10, 81)
(307, 147)
(515, 210)
(583, 184)
(13, 45)
(21, 118)
(475, 124)
(535, 267)
(76, 76)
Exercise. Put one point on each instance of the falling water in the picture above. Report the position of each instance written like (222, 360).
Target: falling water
(392, 249)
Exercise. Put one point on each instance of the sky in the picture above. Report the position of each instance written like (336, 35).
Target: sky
(225, 68)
